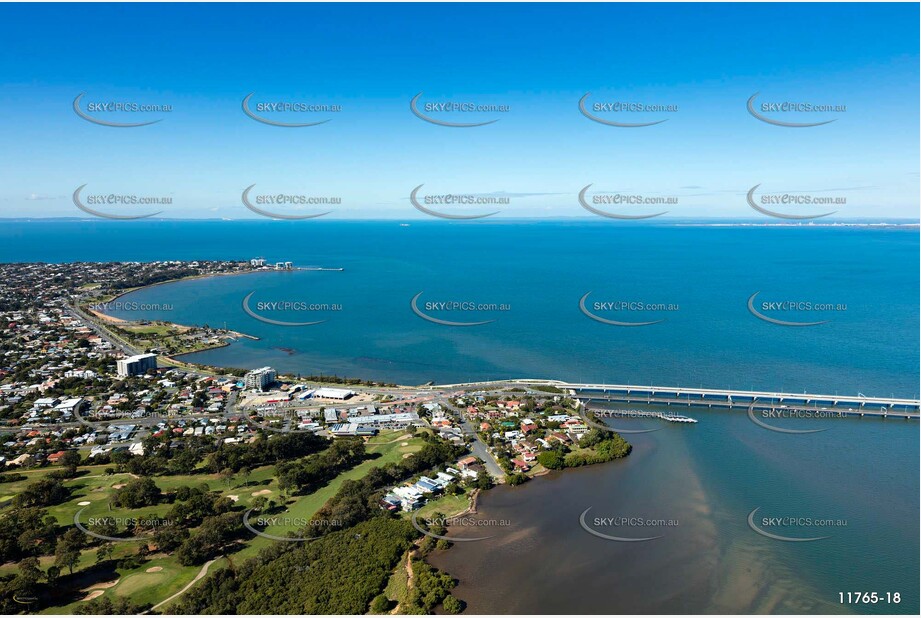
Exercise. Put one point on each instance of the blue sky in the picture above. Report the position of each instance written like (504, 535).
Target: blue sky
(538, 60)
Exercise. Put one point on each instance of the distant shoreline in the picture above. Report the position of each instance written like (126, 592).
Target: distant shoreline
(658, 222)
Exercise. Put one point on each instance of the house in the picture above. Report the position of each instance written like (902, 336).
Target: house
(466, 462)
(521, 465)
(23, 460)
(55, 457)
(428, 486)
(528, 425)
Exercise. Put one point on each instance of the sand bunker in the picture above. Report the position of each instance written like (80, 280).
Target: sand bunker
(102, 586)
(261, 492)
(93, 595)
(154, 570)
(119, 485)
(234, 497)
(84, 503)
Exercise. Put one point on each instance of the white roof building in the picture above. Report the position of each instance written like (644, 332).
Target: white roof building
(332, 393)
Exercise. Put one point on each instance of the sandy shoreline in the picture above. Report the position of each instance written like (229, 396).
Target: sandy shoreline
(114, 320)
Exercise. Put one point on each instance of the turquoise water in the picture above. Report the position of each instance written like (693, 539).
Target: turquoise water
(541, 271)
(708, 476)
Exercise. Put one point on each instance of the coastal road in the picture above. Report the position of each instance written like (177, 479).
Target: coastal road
(102, 332)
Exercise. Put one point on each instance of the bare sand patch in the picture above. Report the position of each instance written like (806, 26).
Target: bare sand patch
(107, 318)
(102, 586)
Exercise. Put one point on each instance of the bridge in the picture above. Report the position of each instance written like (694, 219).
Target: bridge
(859, 405)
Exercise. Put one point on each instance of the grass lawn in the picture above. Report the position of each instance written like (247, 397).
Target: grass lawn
(446, 505)
(142, 586)
(391, 448)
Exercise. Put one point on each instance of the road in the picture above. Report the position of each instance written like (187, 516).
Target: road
(477, 446)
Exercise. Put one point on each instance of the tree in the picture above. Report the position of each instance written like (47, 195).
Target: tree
(169, 538)
(226, 474)
(67, 553)
(517, 478)
(44, 492)
(103, 553)
(52, 575)
(452, 605)
(70, 460)
(553, 460)
(245, 472)
(137, 493)
(380, 604)
(29, 569)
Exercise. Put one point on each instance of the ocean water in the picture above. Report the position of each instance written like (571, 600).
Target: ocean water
(540, 270)
(708, 477)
